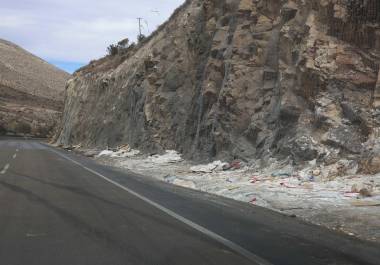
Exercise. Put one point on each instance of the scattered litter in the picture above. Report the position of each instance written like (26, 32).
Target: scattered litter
(126, 153)
(365, 192)
(226, 167)
(122, 153)
(170, 156)
(254, 179)
(315, 191)
(309, 186)
(233, 165)
(214, 166)
(68, 148)
(105, 153)
(184, 183)
(287, 185)
(365, 203)
(351, 194)
(169, 178)
(232, 179)
(281, 174)
(90, 153)
(316, 172)
(280, 170)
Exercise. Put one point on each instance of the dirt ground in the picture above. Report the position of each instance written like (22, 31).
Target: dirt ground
(348, 203)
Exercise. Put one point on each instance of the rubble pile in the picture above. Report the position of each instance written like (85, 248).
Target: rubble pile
(332, 195)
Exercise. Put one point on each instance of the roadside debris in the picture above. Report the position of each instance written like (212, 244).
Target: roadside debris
(169, 178)
(233, 165)
(121, 152)
(170, 156)
(90, 153)
(105, 153)
(214, 166)
(253, 200)
(184, 183)
(315, 192)
(365, 203)
(254, 179)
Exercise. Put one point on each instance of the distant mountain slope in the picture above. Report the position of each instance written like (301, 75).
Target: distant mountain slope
(31, 92)
(25, 72)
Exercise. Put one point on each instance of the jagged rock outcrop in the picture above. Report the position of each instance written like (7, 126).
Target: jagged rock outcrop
(240, 78)
(31, 92)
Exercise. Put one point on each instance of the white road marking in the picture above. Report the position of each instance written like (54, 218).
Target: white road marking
(14, 156)
(35, 235)
(17, 150)
(5, 169)
(231, 245)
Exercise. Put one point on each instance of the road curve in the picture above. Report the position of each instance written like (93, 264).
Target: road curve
(60, 208)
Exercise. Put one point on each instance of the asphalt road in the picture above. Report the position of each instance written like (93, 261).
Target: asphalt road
(60, 208)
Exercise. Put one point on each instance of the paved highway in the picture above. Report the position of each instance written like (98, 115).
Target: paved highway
(60, 208)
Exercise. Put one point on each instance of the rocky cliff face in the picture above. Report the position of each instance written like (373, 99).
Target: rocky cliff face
(241, 78)
(31, 92)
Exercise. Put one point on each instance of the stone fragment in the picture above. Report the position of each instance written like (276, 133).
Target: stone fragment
(365, 192)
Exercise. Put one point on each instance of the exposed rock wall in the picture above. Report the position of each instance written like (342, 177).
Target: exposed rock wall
(376, 101)
(239, 78)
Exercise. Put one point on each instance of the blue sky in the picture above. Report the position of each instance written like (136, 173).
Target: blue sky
(70, 33)
(69, 67)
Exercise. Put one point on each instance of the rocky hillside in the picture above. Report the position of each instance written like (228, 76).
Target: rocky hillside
(31, 92)
(241, 79)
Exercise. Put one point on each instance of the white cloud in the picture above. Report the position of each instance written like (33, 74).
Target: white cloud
(101, 24)
(14, 21)
(78, 30)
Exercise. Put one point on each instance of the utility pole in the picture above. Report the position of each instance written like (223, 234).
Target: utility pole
(140, 26)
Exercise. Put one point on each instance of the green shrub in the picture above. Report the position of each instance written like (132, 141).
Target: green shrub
(122, 47)
(141, 38)
(112, 50)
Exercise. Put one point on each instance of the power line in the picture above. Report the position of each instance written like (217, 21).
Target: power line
(147, 26)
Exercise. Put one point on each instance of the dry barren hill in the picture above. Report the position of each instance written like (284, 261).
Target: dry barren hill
(31, 91)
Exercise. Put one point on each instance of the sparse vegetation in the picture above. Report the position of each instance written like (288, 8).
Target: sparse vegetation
(121, 48)
(112, 50)
(123, 44)
(141, 38)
